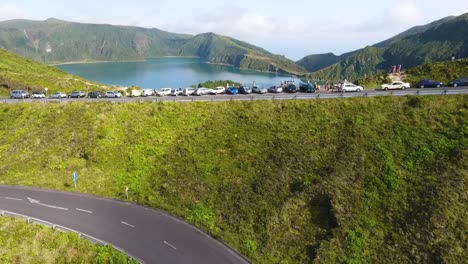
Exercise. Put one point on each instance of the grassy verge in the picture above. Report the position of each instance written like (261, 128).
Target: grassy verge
(20, 73)
(362, 180)
(21, 242)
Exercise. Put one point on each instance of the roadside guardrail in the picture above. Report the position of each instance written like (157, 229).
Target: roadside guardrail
(60, 228)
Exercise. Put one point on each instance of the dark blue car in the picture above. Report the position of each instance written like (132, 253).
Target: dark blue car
(429, 84)
(459, 82)
(232, 90)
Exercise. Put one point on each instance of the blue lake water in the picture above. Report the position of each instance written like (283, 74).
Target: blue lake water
(168, 72)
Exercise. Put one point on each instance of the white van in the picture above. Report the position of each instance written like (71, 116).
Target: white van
(19, 94)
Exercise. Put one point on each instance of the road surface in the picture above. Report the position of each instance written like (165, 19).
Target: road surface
(254, 97)
(149, 235)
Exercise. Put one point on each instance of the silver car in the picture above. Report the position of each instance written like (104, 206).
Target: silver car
(58, 95)
(18, 94)
(112, 94)
(188, 91)
(202, 91)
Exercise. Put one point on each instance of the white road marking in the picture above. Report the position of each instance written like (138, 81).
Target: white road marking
(46, 205)
(127, 224)
(83, 210)
(170, 245)
(15, 199)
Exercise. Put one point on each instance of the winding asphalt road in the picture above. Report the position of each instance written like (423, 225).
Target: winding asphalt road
(255, 97)
(147, 234)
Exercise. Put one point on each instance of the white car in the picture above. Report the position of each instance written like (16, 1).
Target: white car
(58, 95)
(349, 87)
(395, 85)
(164, 92)
(176, 92)
(147, 92)
(202, 91)
(112, 94)
(218, 90)
(135, 93)
(188, 91)
(37, 95)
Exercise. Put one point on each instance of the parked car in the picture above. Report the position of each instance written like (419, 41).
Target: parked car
(306, 88)
(164, 92)
(58, 95)
(135, 93)
(395, 85)
(202, 91)
(459, 82)
(290, 88)
(232, 90)
(259, 89)
(188, 91)
(37, 95)
(349, 87)
(19, 94)
(112, 94)
(176, 92)
(77, 94)
(147, 92)
(218, 90)
(245, 89)
(429, 83)
(94, 95)
(275, 89)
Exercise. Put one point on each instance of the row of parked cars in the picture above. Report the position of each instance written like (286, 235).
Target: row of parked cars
(243, 89)
(19, 94)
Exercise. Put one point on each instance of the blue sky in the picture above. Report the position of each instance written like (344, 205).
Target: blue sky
(293, 28)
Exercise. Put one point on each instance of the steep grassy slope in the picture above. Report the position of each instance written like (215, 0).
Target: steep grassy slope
(19, 73)
(317, 62)
(21, 242)
(55, 41)
(359, 63)
(433, 42)
(442, 71)
(365, 180)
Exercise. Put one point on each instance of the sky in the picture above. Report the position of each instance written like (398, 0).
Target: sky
(293, 28)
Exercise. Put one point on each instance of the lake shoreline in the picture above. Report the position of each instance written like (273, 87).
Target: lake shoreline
(117, 61)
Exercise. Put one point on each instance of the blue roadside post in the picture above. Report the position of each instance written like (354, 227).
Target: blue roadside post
(75, 178)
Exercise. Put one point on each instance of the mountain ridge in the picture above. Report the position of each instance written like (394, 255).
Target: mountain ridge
(435, 41)
(56, 41)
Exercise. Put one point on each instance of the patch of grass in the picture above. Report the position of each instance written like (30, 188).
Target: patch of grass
(21, 242)
(379, 180)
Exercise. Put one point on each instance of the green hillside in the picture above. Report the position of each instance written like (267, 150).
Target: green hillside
(21, 242)
(20, 73)
(363, 180)
(56, 41)
(433, 42)
(441, 71)
(317, 62)
(359, 63)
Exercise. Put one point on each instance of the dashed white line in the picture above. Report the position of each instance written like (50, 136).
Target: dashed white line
(127, 224)
(83, 210)
(14, 199)
(170, 245)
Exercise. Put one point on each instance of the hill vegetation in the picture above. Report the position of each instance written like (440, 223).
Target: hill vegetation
(363, 180)
(433, 42)
(21, 242)
(441, 71)
(19, 73)
(56, 41)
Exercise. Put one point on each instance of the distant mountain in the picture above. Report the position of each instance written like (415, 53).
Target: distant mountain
(57, 41)
(436, 41)
(317, 62)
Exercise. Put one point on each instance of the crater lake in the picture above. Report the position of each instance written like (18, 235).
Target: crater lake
(172, 72)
